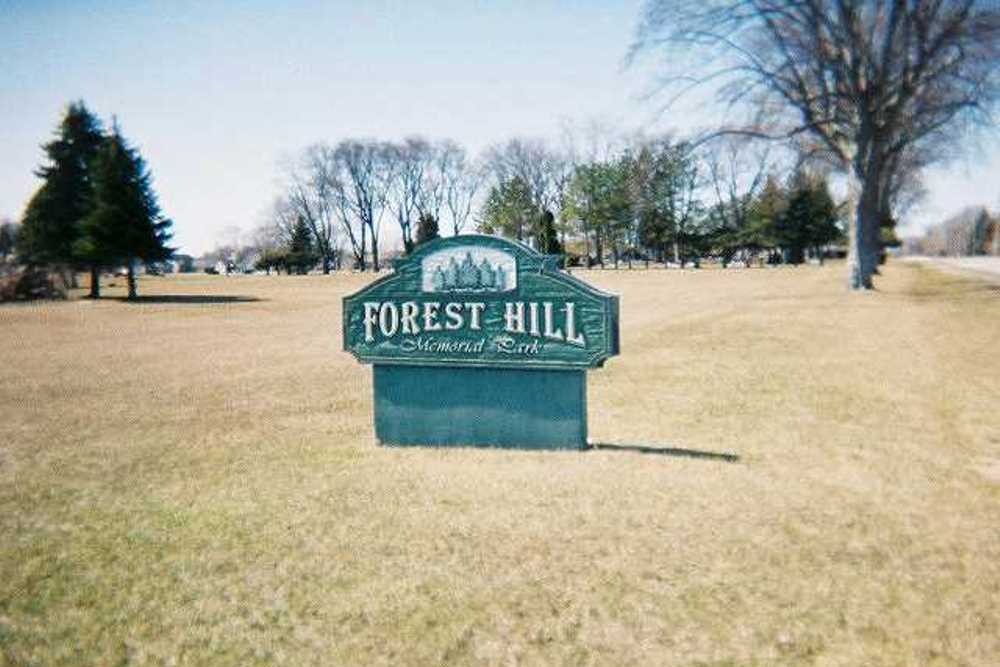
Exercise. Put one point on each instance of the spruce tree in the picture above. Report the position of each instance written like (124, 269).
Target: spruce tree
(302, 254)
(809, 220)
(126, 224)
(51, 224)
(823, 228)
(548, 237)
(793, 225)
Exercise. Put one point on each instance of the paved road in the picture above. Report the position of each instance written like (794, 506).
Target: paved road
(982, 267)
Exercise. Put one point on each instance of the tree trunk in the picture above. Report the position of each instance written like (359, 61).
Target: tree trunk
(862, 256)
(364, 247)
(375, 265)
(131, 280)
(95, 282)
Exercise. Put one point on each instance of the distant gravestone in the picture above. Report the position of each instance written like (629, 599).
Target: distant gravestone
(476, 340)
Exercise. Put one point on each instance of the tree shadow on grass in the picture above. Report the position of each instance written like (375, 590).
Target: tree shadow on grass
(193, 299)
(958, 286)
(667, 451)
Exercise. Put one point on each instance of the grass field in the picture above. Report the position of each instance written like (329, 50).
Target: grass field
(194, 481)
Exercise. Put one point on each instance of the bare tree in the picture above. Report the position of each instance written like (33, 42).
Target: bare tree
(279, 224)
(312, 194)
(461, 179)
(869, 80)
(595, 140)
(528, 160)
(737, 175)
(270, 234)
(361, 176)
(410, 163)
(428, 179)
(664, 183)
(227, 246)
(434, 187)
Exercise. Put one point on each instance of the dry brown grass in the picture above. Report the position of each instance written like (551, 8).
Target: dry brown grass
(196, 483)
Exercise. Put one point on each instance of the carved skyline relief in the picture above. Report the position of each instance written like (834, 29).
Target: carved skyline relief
(480, 301)
(468, 269)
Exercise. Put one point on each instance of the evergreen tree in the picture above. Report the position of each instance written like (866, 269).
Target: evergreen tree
(126, 224)
(272, 258)
(766, 217)
(9, 232)
(887, 237)
(598, 197)
(510, 210)
(809, 221)
(427, 228)
(662, 187)
(51, 224)
(792, 228)
(823, 227)
(980, 233)
(548, 237)
(302, 254)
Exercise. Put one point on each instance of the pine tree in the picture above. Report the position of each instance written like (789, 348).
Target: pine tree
(809, 221)
(51, 224)
(126, 224)
(548, 238)
(302, 254)
(823, 228)
(793, 225)
(427, 228)
(510, 211)
(766, 218)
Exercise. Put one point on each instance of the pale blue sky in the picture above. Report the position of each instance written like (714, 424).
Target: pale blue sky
(215, 95)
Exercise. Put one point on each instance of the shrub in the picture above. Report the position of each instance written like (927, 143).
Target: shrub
(29, 285)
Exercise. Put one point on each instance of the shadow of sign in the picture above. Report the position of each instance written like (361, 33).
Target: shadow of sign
(667, 451)
(193, 299)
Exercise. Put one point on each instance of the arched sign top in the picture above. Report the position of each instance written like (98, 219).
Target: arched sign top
(476, 300)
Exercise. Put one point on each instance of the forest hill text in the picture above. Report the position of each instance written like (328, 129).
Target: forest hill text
(541, 319)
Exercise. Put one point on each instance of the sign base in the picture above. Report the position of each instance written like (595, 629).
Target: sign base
(485, 407)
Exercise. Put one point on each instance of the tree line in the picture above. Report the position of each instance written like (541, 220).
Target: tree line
(661, 200)
(970, 232)
(95, 209)
(600, 198)
(875, 90)
(337, 198)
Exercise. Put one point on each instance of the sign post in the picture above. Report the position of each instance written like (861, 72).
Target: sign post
(476, 340)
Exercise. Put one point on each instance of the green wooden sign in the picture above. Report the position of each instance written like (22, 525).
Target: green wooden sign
(476, 340)
(481, 301)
